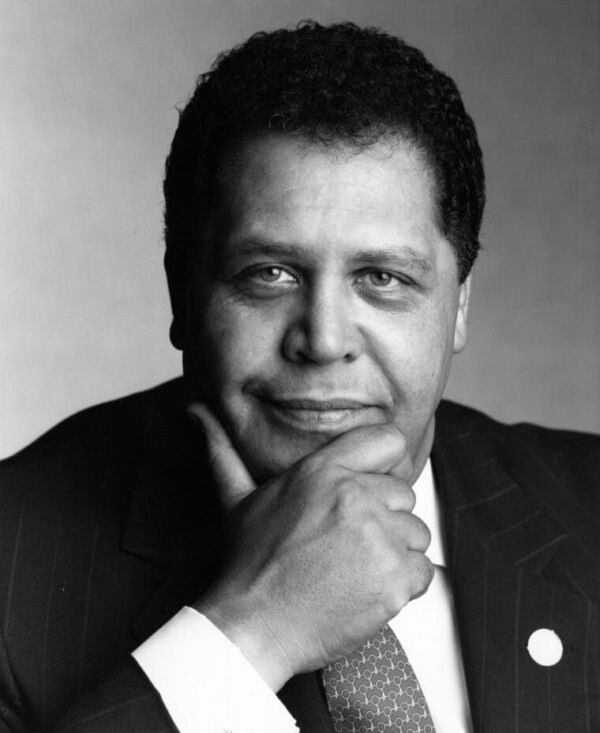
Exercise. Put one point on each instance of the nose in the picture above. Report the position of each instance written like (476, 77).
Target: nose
(323, 330)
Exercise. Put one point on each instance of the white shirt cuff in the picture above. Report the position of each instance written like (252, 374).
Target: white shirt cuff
(205, 681)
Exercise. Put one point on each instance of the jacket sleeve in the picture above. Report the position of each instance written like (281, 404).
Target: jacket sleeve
(124, 701)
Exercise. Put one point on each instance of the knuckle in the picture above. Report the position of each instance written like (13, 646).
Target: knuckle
(423, 535)
(394, 599)
(350, 496)
(363, 533)
(408, 495)
(409, 578)
(391, 567)
(415, 534)
(423, 571)
(371, 531)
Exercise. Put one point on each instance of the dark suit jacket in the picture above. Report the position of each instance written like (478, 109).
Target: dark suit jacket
(108, 525)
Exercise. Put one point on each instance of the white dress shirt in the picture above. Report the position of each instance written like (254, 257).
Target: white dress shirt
(207, 684)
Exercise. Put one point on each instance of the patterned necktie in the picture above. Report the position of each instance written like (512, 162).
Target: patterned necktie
(376, 689)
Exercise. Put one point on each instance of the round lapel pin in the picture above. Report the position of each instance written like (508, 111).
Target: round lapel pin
(545, 647)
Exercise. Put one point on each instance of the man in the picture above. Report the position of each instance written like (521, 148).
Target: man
(253, 530)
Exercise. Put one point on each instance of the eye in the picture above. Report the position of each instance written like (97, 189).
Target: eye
(266, 281)
(381, 278)
(383, 286)
(273, 274)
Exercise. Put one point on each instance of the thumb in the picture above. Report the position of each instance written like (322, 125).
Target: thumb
(231, 475)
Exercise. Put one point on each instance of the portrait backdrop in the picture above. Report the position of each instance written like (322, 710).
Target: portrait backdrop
(89, 94)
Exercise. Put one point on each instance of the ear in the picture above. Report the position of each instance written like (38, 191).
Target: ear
(176, 281)
(176, 333)
(460, 327)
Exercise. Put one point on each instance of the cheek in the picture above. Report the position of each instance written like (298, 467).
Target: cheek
(413, 353)
(239, 343)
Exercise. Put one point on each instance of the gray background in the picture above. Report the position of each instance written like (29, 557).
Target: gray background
(88, 95)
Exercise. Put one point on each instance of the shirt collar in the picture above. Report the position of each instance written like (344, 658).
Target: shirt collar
(427, 508)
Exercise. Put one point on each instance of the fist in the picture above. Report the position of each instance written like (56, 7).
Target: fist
(320, 557)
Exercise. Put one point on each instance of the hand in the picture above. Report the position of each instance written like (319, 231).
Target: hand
(322, 556)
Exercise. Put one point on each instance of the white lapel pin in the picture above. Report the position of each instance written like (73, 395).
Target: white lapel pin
(545, 647)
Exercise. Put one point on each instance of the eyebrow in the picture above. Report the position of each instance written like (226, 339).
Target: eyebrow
(256, 246)
(401, 256)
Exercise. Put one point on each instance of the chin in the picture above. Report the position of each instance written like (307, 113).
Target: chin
(272, 456)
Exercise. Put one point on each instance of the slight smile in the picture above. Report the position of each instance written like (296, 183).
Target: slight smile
(328, 416)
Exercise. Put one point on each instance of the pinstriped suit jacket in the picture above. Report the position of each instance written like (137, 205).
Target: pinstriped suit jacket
(107, 527)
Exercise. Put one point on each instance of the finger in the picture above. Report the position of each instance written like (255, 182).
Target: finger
(229, 471)
(395, 495)
(408, 531)
(411, 579)
(369, 449)
(421, 573)
(404, 468)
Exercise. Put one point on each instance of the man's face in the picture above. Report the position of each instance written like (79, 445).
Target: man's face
(325, 298)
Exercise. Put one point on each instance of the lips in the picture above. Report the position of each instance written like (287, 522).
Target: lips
(306, 403)
(332, 415)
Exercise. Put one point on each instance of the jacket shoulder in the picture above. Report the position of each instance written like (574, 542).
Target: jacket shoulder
(83, 447)
(571, 457)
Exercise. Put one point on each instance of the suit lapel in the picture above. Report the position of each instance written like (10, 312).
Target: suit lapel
(512, 562)
(174, 520)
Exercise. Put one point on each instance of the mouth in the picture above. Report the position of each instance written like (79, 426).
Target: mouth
(333, 415)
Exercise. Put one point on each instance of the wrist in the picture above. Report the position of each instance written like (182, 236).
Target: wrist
(247, 626)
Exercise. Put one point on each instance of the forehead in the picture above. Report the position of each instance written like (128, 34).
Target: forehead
(285, 188)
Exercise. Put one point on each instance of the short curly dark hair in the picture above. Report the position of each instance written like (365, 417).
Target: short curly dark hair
(329, 85)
